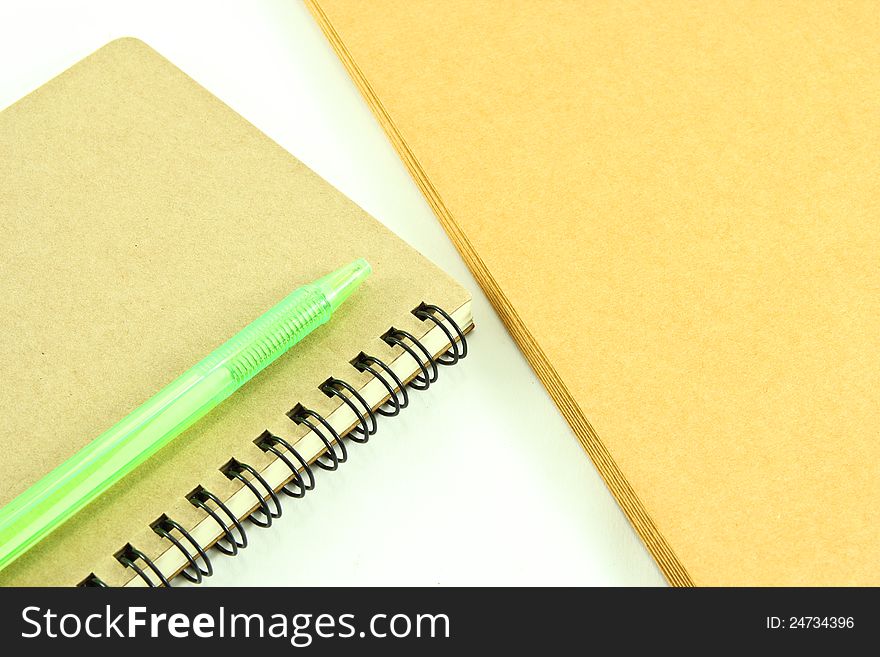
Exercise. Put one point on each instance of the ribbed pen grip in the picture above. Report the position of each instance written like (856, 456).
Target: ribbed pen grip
(273, 333)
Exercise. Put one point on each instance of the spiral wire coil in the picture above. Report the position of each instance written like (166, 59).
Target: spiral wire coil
(233, 536)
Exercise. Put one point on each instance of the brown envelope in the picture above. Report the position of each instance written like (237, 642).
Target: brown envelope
(674, 208)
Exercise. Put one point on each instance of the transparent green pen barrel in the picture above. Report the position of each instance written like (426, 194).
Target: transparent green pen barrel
(124, 446)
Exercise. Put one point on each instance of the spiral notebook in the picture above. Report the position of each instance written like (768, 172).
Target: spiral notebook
(144, 222)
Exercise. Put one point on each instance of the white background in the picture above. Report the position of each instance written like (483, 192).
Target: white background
(480, 481)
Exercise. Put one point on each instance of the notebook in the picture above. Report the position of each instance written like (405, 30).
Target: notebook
(144, 223)
(673, 206)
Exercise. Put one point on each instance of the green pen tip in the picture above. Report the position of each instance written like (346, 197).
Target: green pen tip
(337, 286)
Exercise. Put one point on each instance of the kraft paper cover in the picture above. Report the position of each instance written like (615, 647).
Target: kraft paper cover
(144, 223)
(674, 207)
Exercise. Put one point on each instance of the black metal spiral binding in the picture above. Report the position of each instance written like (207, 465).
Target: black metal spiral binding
(398, 337)
(93, 581)
(200, 498)
(235, 470)
(164, 526)
(129, 556)
(301, 415)
(398, 396)
(359, 434)
(302, 476)
(269, 442)
(458, 347)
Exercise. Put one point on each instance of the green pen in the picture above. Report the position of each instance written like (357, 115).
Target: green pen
(119, 450)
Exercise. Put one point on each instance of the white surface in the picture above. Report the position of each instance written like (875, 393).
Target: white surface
(480, 481)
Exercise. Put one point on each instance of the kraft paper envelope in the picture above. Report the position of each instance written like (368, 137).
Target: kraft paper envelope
(143, 224)
(674, 206)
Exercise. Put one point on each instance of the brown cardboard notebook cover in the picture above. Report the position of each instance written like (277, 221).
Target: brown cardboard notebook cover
(143, 223)
(674, 208)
